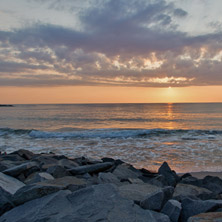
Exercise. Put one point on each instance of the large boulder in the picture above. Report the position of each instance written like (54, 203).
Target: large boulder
(153, 201)
(172, 209)
(207, 217)
(108, 178)
(94, 168)
(125, 171)
(213, 183)
(25, 168)
(188, 190)
(25, 154)
(68, 182)
(10, 184)
(58, 171)
(38, 177)
(96, 203)
(31, 192)
(192, 207)
(137, 192)
(5, 201)
(170, 176)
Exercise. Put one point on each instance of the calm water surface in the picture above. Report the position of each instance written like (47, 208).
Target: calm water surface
(187, 136)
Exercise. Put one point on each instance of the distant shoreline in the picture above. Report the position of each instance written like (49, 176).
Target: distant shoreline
(5, 105)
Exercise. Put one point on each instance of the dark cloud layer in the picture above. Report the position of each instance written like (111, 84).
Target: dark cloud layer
(129, 43)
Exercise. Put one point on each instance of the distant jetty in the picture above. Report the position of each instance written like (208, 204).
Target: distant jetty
(5, 105)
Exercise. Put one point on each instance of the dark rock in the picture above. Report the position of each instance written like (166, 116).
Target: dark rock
(192, 207)
(108, 178)
(137, 192)
(66, 182)
(38, 177)
(67, 164)
(207, 217)
(45, 161)
(172, 209)
(31, 192)
(153, 201)
(17, 170)
(5, 201)
(12, 157)
(192, 191)
(95, 168)
(192, 180)
(96, 203)
(124, 172)
(168, 193)
(159, 181)
(213, 183)
(185, 176)
(58, 171)
(171, 177)
(25, 154)
(10, 184)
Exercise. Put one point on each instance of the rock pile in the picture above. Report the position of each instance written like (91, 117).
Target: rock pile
(48, 187)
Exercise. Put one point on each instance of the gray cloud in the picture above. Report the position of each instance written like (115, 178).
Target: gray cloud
(133, 44)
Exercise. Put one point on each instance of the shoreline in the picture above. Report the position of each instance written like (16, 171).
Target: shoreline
(46, 186)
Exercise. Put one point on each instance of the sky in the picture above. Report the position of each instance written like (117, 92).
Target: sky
(92, 51)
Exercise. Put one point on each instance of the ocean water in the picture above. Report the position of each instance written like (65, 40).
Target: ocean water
(187, 136)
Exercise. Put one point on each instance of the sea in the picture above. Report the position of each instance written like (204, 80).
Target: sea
(186, 135)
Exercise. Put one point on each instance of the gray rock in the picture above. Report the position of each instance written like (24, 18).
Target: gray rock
(192, 180)
(94, 168)
(58, 171)
(124, 172)
(170, 176)
(137, 192)
(159, 181)
(191, 191)
(71, 182)
(5, 201)
(192, 207)
(172, 209)
(38, 177)
(10, 184)
(108, 178)
(25, 154)
(17, 170)
(207, 217)
(67, 164)
(213, 183)
(96, 203)
(31, 192)
(153, 201)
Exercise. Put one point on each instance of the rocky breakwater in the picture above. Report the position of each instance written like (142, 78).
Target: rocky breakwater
(48, 187)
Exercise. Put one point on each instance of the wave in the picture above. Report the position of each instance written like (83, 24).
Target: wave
(186, 134)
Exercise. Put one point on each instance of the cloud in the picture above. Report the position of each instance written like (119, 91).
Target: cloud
(130, 44)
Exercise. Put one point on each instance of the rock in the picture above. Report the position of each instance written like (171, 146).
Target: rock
(95, 168)
(31, 192)
(159, 181)
(96, 203)
(25, 154)
(192, 207)
(38, 177)
(124, 172)
(168, 193)
(12, 157)
(153, 201)
(207, 217)
(213, 183)
(10, 184)
(23, 168)
(192, 180)
(172, 209)
(135, 181)
(108, 178)
(170, 176)
(58, 171)
(5, 201)
(190, 191)
(45, 161)
(66, 182)
(67, 164)
(137, 192)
